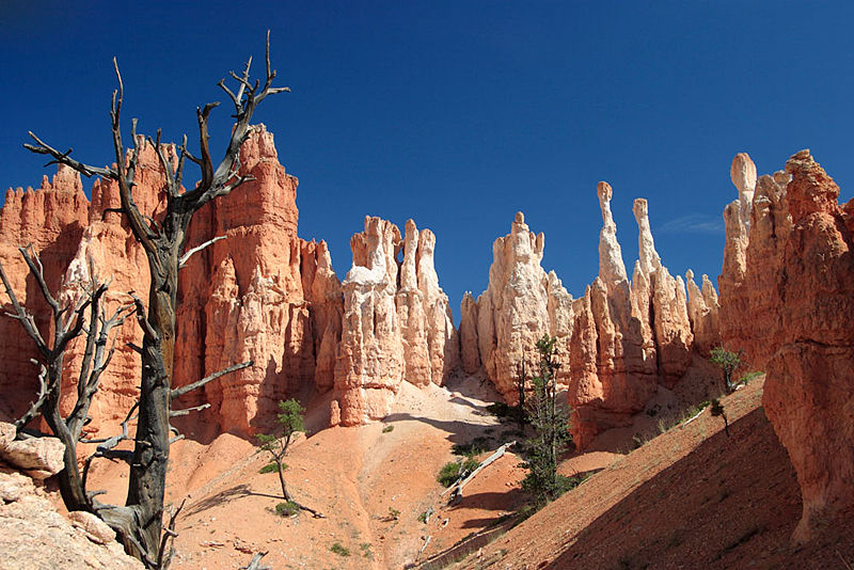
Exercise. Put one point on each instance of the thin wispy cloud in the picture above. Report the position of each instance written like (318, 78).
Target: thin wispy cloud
(693, 224)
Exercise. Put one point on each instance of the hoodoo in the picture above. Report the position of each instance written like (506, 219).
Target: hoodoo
(262, 293)
(397, 323)
(618, 343)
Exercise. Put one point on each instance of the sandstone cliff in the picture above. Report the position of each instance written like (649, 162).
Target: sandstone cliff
(757, 225)
(53, 219)
(262, 293)
(514, 311)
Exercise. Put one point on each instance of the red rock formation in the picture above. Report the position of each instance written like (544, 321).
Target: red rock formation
(809, 392)
(704, 312)
(52, 219)
(787, 300)
(262, 293)
(469, 352)
(370, 362)
(748, 279)
(620, 343)
(521, 304)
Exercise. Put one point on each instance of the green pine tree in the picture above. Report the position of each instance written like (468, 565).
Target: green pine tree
(550, 423)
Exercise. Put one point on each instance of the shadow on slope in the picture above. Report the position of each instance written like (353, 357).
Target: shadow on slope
(225, 497)
(692, 498)
(730, 503)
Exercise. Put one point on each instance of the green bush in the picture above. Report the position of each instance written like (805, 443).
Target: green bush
(749, 377)
(388, 429)
(287, 509)
(271, 468)
(340, 549)
(550, 422)
(453, 470)
(728, 362)
(499, 410)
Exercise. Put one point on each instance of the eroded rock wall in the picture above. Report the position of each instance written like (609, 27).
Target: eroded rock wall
(53, 220)
(520, 305)
(262, 293)
(757, 226)
(795, 289)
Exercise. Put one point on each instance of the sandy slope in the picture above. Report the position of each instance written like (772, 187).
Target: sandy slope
(371, 484)
(691, 498)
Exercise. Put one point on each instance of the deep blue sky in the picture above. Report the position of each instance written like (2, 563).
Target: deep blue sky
(458, 114)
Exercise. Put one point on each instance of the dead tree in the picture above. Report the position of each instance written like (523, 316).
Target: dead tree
(140, 523)
(69, 322)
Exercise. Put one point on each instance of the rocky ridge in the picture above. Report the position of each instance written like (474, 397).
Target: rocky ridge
(262, 293)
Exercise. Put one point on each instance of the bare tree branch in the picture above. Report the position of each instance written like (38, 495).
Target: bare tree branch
(188, 411)
(190, 252)
(142, 316)
(255, 563)
(36, 407)
(42, 147)
(166, 551)
(25, 318)
(178, 392)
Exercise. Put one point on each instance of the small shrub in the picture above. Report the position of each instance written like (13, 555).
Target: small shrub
(388, 429)
(570, 483)
(393, 514)
(271, 468)
(422, 518)
(339, 549)
(454, 470)
(749, 377)
(728, 362)
(499, 410)
(366, 550)
(718, 410)
(449, 473)
(287, 509)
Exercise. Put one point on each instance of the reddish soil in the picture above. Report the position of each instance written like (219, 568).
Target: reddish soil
(373, 483)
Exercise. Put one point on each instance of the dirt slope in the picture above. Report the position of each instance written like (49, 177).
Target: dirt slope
(691, 498)
(372, 483)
